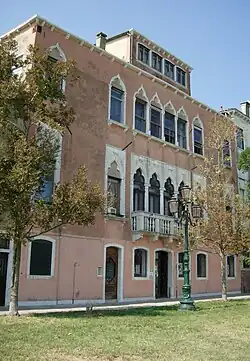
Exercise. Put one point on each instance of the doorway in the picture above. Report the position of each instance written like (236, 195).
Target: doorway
(162, 289)
(111, 274)
(3, 276)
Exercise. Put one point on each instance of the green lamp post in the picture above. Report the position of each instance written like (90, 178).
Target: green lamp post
(186, 301)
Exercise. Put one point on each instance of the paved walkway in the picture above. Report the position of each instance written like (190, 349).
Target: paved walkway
(124, 306)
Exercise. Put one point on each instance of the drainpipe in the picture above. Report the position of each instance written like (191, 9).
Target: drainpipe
(58, 264)
(74, 281)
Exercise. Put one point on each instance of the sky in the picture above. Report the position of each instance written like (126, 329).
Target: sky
(210, 35)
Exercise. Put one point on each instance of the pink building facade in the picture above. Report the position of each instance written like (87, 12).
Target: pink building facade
(141, 135)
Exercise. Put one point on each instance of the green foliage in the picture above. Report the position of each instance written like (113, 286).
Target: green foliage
(244, 160)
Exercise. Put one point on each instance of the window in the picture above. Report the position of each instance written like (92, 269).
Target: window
(198, 149)
(45, 192)
(181, 76)
(139, 191)
(231, 266)
(226, 154)
(201, 265)
(114, 189)
(169, 69)
(18, 67)
(169, 128)
(157, 62)
(41, 258)
(140, 263)
(143, 54)
(116, 105)
(140, 115)
(168, 194)
(155, 122)
(154, 195)
(242, 193)
(182, 133)
(240, 139)
(180, 265)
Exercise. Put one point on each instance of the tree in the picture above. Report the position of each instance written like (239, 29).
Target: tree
(223, 229)
(34, 114)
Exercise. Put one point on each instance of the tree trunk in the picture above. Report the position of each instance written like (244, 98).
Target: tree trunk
(223, 278)
(13, 307)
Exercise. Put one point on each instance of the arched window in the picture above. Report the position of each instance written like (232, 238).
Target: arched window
(117, 100)
(201, 265)
(114, 189)
(154, 195)
(156, 117)
(55, 54)
(169, 123)
(168, 194)
(41, 257)
(141, 106)
(140, 262)
(139, 191)
(198, 136)
(182, 128)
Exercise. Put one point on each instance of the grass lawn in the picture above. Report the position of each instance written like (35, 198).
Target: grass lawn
(216, 331)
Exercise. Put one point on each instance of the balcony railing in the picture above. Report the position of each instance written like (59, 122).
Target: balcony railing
(153, 223)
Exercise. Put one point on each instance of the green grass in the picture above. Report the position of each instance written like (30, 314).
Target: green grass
(216, 331)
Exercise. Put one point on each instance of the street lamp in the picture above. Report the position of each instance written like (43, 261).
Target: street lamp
(186, 302)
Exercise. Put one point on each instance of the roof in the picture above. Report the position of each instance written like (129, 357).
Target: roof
(39, 20)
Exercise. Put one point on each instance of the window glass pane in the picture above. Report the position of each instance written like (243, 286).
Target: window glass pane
(181, 76)
(114, 185)
(140, 263)
(197, 135)
(140, 115)
(40, 258)
(169, 128)
(143, 54)
(155, 125)
(157, 62)
(230, 266)
(240, 138)
(201, 266)
(169, 69)
(181, 133)
(116, 105)
(226, 154)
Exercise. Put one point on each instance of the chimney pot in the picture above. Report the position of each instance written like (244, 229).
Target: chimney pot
(101, 40)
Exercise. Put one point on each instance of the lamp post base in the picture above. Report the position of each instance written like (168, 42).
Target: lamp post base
(186, 302)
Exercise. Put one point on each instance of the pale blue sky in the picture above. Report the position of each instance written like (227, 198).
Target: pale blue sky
(211, 35)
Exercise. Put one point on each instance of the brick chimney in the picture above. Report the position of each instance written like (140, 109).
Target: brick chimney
(101, 39)
(245, 108)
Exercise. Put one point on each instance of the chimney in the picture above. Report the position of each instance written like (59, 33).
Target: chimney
(101, 39)
(245, 108)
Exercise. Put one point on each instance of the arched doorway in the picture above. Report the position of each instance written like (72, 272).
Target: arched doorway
(163, 274)
(113, 287)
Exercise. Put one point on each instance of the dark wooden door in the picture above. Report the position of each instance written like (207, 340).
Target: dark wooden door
(161, 274)
(3, 276)
(111, 278)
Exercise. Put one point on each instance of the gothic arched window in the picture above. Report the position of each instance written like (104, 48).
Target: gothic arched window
(138, 191)
(154, 195)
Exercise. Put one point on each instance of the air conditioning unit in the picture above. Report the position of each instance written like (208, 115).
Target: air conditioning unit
(111, 210)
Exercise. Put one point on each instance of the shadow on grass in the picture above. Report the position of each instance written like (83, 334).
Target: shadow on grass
(143, 312)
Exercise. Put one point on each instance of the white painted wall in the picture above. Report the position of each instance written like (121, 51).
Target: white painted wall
(120, 47)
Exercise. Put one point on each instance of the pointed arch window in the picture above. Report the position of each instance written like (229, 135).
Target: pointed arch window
(138, 191)
(168, 194)
(182, 129)
(198, 136)
(55, 54)
(156, 117)
(117, 100)
(154, 195)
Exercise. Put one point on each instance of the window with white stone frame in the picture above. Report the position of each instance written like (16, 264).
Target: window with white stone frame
(140, 263)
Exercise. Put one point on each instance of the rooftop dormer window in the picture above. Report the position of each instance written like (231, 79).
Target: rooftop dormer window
(169, 69)
(157, 62)
(143, 54)
(181, 76)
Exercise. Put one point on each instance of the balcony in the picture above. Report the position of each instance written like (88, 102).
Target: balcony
(154, 225)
